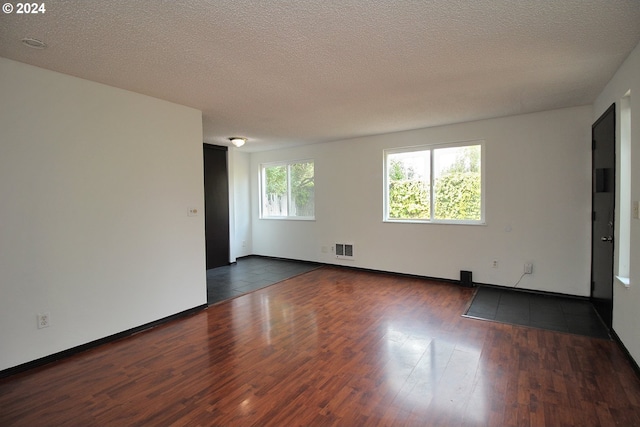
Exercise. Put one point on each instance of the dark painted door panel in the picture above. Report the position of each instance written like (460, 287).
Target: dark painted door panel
(603, 133)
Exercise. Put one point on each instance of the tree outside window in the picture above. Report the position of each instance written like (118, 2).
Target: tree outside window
(440, 184)
(288, 190)
(409, 185)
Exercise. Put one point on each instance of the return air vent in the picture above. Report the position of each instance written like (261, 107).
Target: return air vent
(344, 250)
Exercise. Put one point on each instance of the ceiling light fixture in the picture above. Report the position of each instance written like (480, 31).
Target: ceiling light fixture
(237, 141)
(34, 43)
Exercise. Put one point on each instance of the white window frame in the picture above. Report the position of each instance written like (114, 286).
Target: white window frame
(432, 148)
(624, 204)
(262, 185)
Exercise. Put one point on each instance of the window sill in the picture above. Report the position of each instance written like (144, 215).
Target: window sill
(416, 221)
(290, 218)
(625, 281)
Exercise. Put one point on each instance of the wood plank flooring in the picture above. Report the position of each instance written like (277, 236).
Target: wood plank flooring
(334, 347)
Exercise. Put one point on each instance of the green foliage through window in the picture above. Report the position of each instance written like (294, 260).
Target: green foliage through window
(288, 190)
(451, 176)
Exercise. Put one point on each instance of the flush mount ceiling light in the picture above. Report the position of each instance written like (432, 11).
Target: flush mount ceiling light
(34, 43)
(237, 141)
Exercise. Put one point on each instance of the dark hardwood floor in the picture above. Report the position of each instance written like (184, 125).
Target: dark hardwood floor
(334, 347)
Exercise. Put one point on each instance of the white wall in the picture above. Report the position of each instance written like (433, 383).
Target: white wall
(240, 191)
(95, 183)
(626, 322)
(538, 200)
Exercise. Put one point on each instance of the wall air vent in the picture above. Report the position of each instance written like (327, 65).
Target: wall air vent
(344, 250)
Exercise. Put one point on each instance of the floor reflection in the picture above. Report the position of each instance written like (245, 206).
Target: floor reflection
(269, 318)
(281, 320)
(423, 369)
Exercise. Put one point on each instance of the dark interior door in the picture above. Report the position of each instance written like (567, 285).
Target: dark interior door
(603, 135)
(216, 205)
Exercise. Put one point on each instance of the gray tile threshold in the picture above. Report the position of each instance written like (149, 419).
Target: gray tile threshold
(551, 312)
(249, 274)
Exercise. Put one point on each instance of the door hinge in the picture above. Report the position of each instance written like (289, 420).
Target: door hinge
(593, 144)
(593, 216)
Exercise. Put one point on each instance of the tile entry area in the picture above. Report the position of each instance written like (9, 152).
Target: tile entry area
(251, 273)
(556, 313)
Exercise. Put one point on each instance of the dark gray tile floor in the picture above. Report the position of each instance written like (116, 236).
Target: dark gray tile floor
(556, 313)
(251, 273)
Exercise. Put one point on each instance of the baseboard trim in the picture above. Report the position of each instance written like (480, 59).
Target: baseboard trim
(84, 347)
(350, 267)
(395, 273)
(532, 291)
(632, 361)
(417, 276)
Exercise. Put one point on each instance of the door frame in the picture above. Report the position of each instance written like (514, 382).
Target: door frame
(611, 180)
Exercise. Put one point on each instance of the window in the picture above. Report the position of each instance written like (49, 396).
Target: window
(435, 184)
(288, 190)
(625, 207)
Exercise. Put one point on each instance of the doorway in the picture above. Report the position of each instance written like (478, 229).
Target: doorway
(216, 205)
(603, 136)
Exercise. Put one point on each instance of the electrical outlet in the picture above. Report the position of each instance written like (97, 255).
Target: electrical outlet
(44, 320)
(528, 268)
(494, 263)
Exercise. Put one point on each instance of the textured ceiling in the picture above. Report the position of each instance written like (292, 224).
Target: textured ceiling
(302, 71)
